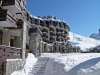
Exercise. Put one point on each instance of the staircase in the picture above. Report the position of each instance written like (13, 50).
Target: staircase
(39, 68)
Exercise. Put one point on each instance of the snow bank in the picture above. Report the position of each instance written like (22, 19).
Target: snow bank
(27, 65)
(73, 64)
(83, 42)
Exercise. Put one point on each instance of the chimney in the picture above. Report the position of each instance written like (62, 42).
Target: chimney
(99, 31)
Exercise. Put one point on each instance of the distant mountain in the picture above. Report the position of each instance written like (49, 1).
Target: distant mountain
(95, 36)
(83, 42)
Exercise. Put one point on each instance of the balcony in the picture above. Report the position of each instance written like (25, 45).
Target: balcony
(66, 26)
(13, 5)
(61, 30)
(45, 40)
(52, 33)
(28, 17)
(57, 38)
(54, 23)
(65, 36)
(60, 25)
(45, 30)
(62, 39)
(52, 38)
(33, 30)
(58, 34)
(36, 21)
(52, 29)
(19, 23)
(42, 23)
(45, 35)
(7, 19)
(57, 29)
(47, 23)
(62, 34)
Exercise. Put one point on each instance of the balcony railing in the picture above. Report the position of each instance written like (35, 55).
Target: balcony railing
(7, 19)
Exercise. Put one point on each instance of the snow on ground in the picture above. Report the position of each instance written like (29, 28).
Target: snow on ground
(73, 64)
(83, 42)
(27, 65)
(65, 64)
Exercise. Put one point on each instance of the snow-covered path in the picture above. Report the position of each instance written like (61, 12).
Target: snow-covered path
(40, 66)
(62, 64)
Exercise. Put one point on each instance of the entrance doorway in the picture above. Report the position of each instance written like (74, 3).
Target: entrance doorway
(11, 42)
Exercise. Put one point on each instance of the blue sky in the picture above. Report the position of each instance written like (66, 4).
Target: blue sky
(83, 16)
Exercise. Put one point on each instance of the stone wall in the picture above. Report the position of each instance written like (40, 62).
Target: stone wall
(11, 65)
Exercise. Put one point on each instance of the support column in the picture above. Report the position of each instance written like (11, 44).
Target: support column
(42, 47)
(24, 29)
(35, 42)
(46, 47)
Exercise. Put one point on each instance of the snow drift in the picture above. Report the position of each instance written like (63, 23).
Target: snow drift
(27, 65)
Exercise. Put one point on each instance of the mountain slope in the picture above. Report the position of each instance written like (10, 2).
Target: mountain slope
(95, 36)
(84, 42)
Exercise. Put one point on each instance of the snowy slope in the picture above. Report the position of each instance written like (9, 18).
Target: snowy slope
(84, 42)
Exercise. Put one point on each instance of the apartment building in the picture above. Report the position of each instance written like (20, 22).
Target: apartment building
(53, 29)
